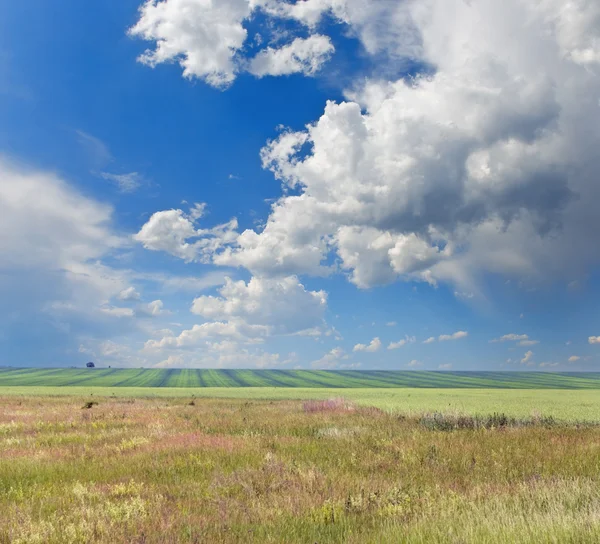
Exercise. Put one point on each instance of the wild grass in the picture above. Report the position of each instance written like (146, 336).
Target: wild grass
(235, 470)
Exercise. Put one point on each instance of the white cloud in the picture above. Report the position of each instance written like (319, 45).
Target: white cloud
(200, 335)
(525, 343)
(454, 336)
(430, 340)
(542, 365)
(96, 149)
(173, 231)
(527, 357)
(391, 324)
(203, 36)
(129, 294)
(126, 183)
(446, 366)
(153, 309)
(403, 342)
(483, 166)
(282, 304)
(115, 311)
(414, 364)
(374, 346)
(330, 360)
(511, 338)
(594, 339)
(574, 358)
(301, 55)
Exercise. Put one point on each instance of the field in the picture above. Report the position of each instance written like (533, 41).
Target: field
(568, 405)
(150, 470)
(293, 378)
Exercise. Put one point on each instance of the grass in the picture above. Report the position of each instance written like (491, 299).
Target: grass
(61, 377)
(324, 470)
(572, 405)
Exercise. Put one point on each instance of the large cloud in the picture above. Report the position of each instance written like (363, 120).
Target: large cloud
(487, 165)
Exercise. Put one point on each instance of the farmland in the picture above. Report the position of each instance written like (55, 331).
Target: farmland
(152, 470)
(293, 378)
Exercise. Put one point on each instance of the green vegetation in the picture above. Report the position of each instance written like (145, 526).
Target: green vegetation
(231, 470)
(293, 378)
(571, 405)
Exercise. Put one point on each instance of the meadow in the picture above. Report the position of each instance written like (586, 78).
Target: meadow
(191, 470)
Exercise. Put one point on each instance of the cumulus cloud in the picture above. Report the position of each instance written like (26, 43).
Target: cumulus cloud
(207, 39)
(429, 340)
(483, 165)
(526, 360)
(175, 232)
(594, 339)
(203, 36)
(372, 347)
(332, 359)
(129, 294)
(303, 55)
(403, 342)
(414, 364)
(574, 358)
(454, 336)
(282, 304)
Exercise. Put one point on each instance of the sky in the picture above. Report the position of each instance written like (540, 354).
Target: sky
(316, 184)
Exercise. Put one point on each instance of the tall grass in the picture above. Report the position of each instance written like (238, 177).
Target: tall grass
(235, 470)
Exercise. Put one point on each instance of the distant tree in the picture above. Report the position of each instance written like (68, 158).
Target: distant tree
(90, 365)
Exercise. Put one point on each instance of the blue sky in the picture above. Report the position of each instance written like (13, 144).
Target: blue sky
(313, 184)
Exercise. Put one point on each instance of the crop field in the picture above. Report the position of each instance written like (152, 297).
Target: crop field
(157, 470)
(568, 405)
(293, 378)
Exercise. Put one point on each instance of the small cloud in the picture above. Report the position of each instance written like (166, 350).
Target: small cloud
(447, 366)
(126, 183)
(117, 312)
(454, 336)
(403, 342)
(594, 339)
(153, 309)
(197, 211)
(542, 365)
(371, 348)
(463, 294)
(414, 364)
(391, 324)
(568, 343)
(233, 176)
(574, 358)
(525, 343)
(521, 316)
(129, 294)
(430, 340)
(527, 357)
(96, 148)
(510, 338)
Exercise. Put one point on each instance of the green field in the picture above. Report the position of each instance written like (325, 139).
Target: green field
(568, 405)
(293, 378)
